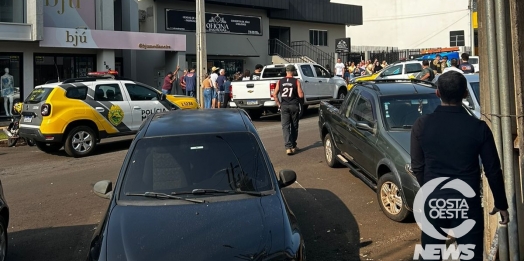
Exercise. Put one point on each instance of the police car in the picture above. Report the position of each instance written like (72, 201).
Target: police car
(77, 113)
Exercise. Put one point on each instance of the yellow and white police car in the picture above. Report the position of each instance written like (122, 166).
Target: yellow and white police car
(77, 113)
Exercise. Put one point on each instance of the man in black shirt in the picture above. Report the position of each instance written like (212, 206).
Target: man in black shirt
(290, 91)
(448, 143)
(465, 66)
(256, 74)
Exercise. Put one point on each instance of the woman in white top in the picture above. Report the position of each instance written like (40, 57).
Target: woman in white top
(247, 75)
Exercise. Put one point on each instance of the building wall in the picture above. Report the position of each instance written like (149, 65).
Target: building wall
(409, 24)
(300, 31)
(222, 44)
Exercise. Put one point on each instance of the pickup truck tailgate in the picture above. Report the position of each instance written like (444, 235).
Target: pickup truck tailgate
(255, 90)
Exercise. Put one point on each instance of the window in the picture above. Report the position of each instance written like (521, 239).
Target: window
(276, 72)
(321, 72)
(413, 67)
(108, 92)
(12, 11)
(306, 70)
(456, 38)
(363, 111)
(400, 112)
(38, 95)
(79, 93)
(141, 93)
(476, 89)
(11, 77)
(318, 37)
(351, 102)
(173, 164)
(393, 70)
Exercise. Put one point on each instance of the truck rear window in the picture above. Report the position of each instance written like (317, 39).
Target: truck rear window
(38, 95)
(277, 72)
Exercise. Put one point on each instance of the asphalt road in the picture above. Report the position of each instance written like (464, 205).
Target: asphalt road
(54, 211)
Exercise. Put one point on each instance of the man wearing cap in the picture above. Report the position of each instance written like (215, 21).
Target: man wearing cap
(290, 91)
(214, 89)
(258, 71)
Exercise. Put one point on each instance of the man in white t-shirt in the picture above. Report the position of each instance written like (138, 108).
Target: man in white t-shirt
(453, 67)
(339, 68)
(214, 95)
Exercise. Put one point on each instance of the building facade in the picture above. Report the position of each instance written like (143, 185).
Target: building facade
(414, 24)
(51, 40)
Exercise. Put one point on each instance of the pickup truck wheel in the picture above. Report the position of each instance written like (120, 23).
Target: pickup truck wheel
(390, 198)
(330, 152)
(342, 93)
(301, 110)
(80, 142)
(48, 147)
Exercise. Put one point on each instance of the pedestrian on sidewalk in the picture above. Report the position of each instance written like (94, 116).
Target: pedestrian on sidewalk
(190, 80)
(447, 144)
(207, 89)
(290, 91)
(168, 81)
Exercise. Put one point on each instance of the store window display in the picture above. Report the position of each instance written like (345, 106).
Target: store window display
(7, 91)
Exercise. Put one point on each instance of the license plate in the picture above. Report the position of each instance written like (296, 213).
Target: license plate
(252, 102)
(28, 119)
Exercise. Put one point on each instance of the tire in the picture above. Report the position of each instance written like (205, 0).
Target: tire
(80, 142)
(30, 142)
(388, 192)
(48, 147)
(11, 142)
(330, 153)
(254, 114)
(301, 110)
(3, 239)
(342, 93)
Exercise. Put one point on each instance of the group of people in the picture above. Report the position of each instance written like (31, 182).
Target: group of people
(442, 65)
(187, 82)
(349, 70)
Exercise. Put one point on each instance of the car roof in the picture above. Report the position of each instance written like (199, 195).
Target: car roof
(201, 121)
(471, 77)
(397, 88)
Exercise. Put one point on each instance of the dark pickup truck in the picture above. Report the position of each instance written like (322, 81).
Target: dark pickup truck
(369, 132)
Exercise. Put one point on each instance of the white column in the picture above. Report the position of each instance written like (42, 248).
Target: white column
(35, 17)
(105, 58)
(28, 72)
(105, 11)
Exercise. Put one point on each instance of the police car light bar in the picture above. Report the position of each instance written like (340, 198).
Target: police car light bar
(108, 73)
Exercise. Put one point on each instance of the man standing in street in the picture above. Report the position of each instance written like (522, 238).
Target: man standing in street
(426, 74)
(168, 82)
(214, 88)
(190, 80)
(220, 82)
(447, 144)
(465, 66)
(436, 65)
(339, 68)
(257, 73)
(291, 93)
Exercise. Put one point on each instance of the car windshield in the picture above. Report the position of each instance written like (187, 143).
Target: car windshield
(400, 112)
(476, 89)
(180, 164)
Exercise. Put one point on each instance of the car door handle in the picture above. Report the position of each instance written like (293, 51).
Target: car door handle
(99, 109)
(306, 81)
(251, 85)
(136, 108)
(319, 81)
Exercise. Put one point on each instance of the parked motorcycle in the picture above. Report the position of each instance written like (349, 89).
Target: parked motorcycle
(12, 130)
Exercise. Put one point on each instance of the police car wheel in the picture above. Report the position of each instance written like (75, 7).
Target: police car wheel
(389, 197)
(81, 141)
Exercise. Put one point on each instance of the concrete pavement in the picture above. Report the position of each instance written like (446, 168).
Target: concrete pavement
(54, 211)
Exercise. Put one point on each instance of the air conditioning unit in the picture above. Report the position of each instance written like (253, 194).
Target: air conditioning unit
(142, 15)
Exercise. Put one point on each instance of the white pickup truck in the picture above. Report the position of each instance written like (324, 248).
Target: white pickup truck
(255, 96)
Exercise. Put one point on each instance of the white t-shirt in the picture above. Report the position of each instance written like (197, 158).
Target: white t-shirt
(339, 69)
(449, 69)
(214, 78)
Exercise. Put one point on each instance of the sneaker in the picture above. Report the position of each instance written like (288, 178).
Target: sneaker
(293, 150)
(289, 152)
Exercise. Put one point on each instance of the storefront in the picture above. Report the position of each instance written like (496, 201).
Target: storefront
(11, 80)
(54, 67)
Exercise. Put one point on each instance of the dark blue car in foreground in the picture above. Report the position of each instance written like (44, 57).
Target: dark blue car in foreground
(197, 185)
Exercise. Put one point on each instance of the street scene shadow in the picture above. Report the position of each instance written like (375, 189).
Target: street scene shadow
(317, 144)
(309, 113)
(103, 148)
(330, 230)
(54, 243)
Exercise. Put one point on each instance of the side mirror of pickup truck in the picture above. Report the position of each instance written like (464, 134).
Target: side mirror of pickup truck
(364, 126)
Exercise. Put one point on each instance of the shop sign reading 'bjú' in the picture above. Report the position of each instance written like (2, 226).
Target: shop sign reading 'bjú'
(69, 14)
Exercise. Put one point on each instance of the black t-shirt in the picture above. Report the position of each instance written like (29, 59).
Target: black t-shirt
(467, 67)
(255, 76)
(288, 90)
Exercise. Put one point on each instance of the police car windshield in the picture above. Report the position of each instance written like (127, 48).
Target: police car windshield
(400, 112)
(38, 95)
(177, 164)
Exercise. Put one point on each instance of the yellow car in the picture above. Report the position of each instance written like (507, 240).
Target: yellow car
(363, 78)
(78, 113)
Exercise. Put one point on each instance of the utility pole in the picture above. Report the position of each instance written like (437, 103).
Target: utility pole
(201, 49)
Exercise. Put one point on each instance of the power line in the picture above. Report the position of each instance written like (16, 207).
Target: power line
(423, 40)
(390, 18)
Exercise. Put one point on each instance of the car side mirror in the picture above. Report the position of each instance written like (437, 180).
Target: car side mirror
(103, 189)
(466, 103)
(364, 126)
(162, 96)
(287, 177)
